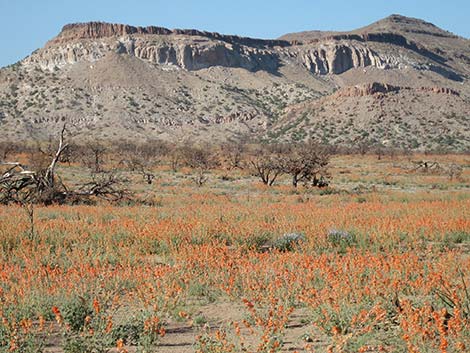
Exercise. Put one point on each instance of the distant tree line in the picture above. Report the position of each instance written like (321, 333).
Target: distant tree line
(305, 163)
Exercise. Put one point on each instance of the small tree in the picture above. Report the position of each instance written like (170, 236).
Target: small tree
(175, 157)
(379, 149)
(93, 157)
(141, 158)
(363, 145)
(306, 163)
(266, 162)
(6, 148)
(231, 156)
(201, 160)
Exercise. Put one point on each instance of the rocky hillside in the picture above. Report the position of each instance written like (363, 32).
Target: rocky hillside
(381, 114)
(402, 82)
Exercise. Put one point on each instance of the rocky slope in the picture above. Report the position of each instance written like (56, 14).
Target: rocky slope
(381, 115)
(114, 81)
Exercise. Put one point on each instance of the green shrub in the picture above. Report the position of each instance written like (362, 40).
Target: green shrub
(456, 237)
(75, 311)
(289, 242)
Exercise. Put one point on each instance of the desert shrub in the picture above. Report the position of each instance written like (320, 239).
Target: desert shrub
(341, 239)
(75, 311)
(20, 335)
(130, 331)
(456, 237)
(257, 242)
(329, 191)
(289, 242)
(158, 247)
(223, 238)
(78, 344)
(213, 343)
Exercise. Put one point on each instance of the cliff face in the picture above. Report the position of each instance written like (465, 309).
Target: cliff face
(179, 52)
(99, 30)
(202, 55)
(96, 30)
(386, 38)
(195, 50)
(333, 58)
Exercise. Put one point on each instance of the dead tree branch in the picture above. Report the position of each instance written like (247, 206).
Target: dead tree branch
(20, 185)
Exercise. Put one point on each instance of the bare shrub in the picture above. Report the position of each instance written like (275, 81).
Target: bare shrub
(307, 163)
(201, 160)
(304, 162)
(266, 162)
(93, 156)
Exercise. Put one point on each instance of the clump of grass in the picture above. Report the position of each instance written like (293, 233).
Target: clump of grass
(457, 237)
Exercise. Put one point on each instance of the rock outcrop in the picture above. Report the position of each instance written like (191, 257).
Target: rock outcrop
(367, 90)
(441, 90)
(98, 30)
(334, 58)
(386, 38)
(377, 88)
(195, 50)
(188, 55)
(243, 116)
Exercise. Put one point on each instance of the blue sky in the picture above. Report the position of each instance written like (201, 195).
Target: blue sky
(26, 25)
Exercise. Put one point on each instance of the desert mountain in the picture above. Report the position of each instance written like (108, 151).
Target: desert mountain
(400, 82)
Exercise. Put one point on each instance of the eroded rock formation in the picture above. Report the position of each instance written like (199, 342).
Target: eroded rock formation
(99, 30)
(377, 88)
(334, 58)
(180, 52)
(195, 50)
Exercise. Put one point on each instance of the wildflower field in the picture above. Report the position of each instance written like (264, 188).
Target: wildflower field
(377, 262)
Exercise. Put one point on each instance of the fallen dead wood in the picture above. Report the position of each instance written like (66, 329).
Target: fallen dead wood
(19, 184)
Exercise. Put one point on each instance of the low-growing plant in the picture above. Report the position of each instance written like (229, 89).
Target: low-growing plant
(341, 239)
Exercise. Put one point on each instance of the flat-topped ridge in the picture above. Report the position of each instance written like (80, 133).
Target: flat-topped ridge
(96, 30)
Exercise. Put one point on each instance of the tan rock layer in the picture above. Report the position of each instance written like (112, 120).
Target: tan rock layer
(333, 58)
(333, 55)
(377, 88)
(97, 30)
(185, 54)
(327, 58)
